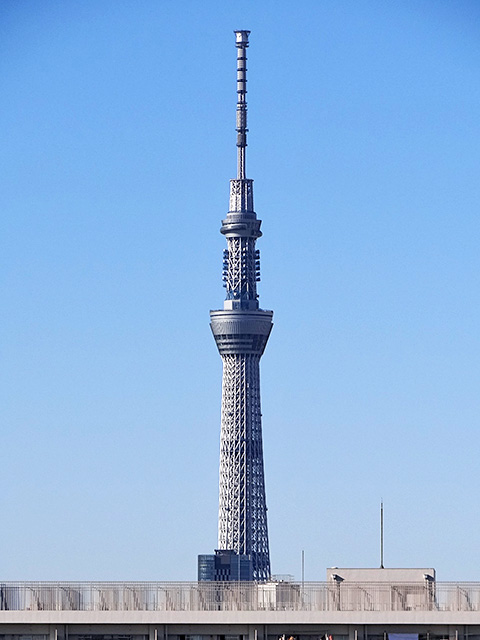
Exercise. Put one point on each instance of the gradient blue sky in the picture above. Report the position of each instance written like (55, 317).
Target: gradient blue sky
(116, 146)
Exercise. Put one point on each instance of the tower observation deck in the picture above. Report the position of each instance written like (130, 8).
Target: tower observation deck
(241, 330)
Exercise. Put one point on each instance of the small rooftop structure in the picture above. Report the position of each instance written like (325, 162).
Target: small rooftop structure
(392, 576)
(389, 589)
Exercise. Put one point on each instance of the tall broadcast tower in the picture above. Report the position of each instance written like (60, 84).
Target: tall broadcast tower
(241, 330)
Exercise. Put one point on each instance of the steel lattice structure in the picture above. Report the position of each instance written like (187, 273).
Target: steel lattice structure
(241, 331)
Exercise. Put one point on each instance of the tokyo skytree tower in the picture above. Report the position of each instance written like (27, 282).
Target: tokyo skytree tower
(241, 331)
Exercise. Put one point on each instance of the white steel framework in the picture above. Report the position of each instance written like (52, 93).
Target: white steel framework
(241, 332)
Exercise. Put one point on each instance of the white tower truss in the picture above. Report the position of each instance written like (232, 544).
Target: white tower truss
(241, 331)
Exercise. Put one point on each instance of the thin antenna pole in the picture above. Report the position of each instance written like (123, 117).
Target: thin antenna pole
(303, 572)
(241, 39)
(381, 535)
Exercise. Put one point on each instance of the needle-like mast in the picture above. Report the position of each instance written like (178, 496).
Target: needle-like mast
(241, 39)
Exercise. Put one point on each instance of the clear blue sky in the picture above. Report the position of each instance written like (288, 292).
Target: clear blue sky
(117, 142)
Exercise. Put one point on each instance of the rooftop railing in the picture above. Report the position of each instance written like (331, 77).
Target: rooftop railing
(238, 596)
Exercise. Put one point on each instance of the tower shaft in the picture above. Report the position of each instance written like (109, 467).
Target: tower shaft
(242, 515)
(241, 330)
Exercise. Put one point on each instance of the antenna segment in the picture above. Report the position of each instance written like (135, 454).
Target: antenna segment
(241, 40)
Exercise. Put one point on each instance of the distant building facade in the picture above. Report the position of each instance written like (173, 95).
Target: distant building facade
(225, 566)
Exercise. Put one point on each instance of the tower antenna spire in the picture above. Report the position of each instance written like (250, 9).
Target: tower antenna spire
(241, 40)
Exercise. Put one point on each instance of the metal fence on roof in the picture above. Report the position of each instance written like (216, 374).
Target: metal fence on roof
(238, 596)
